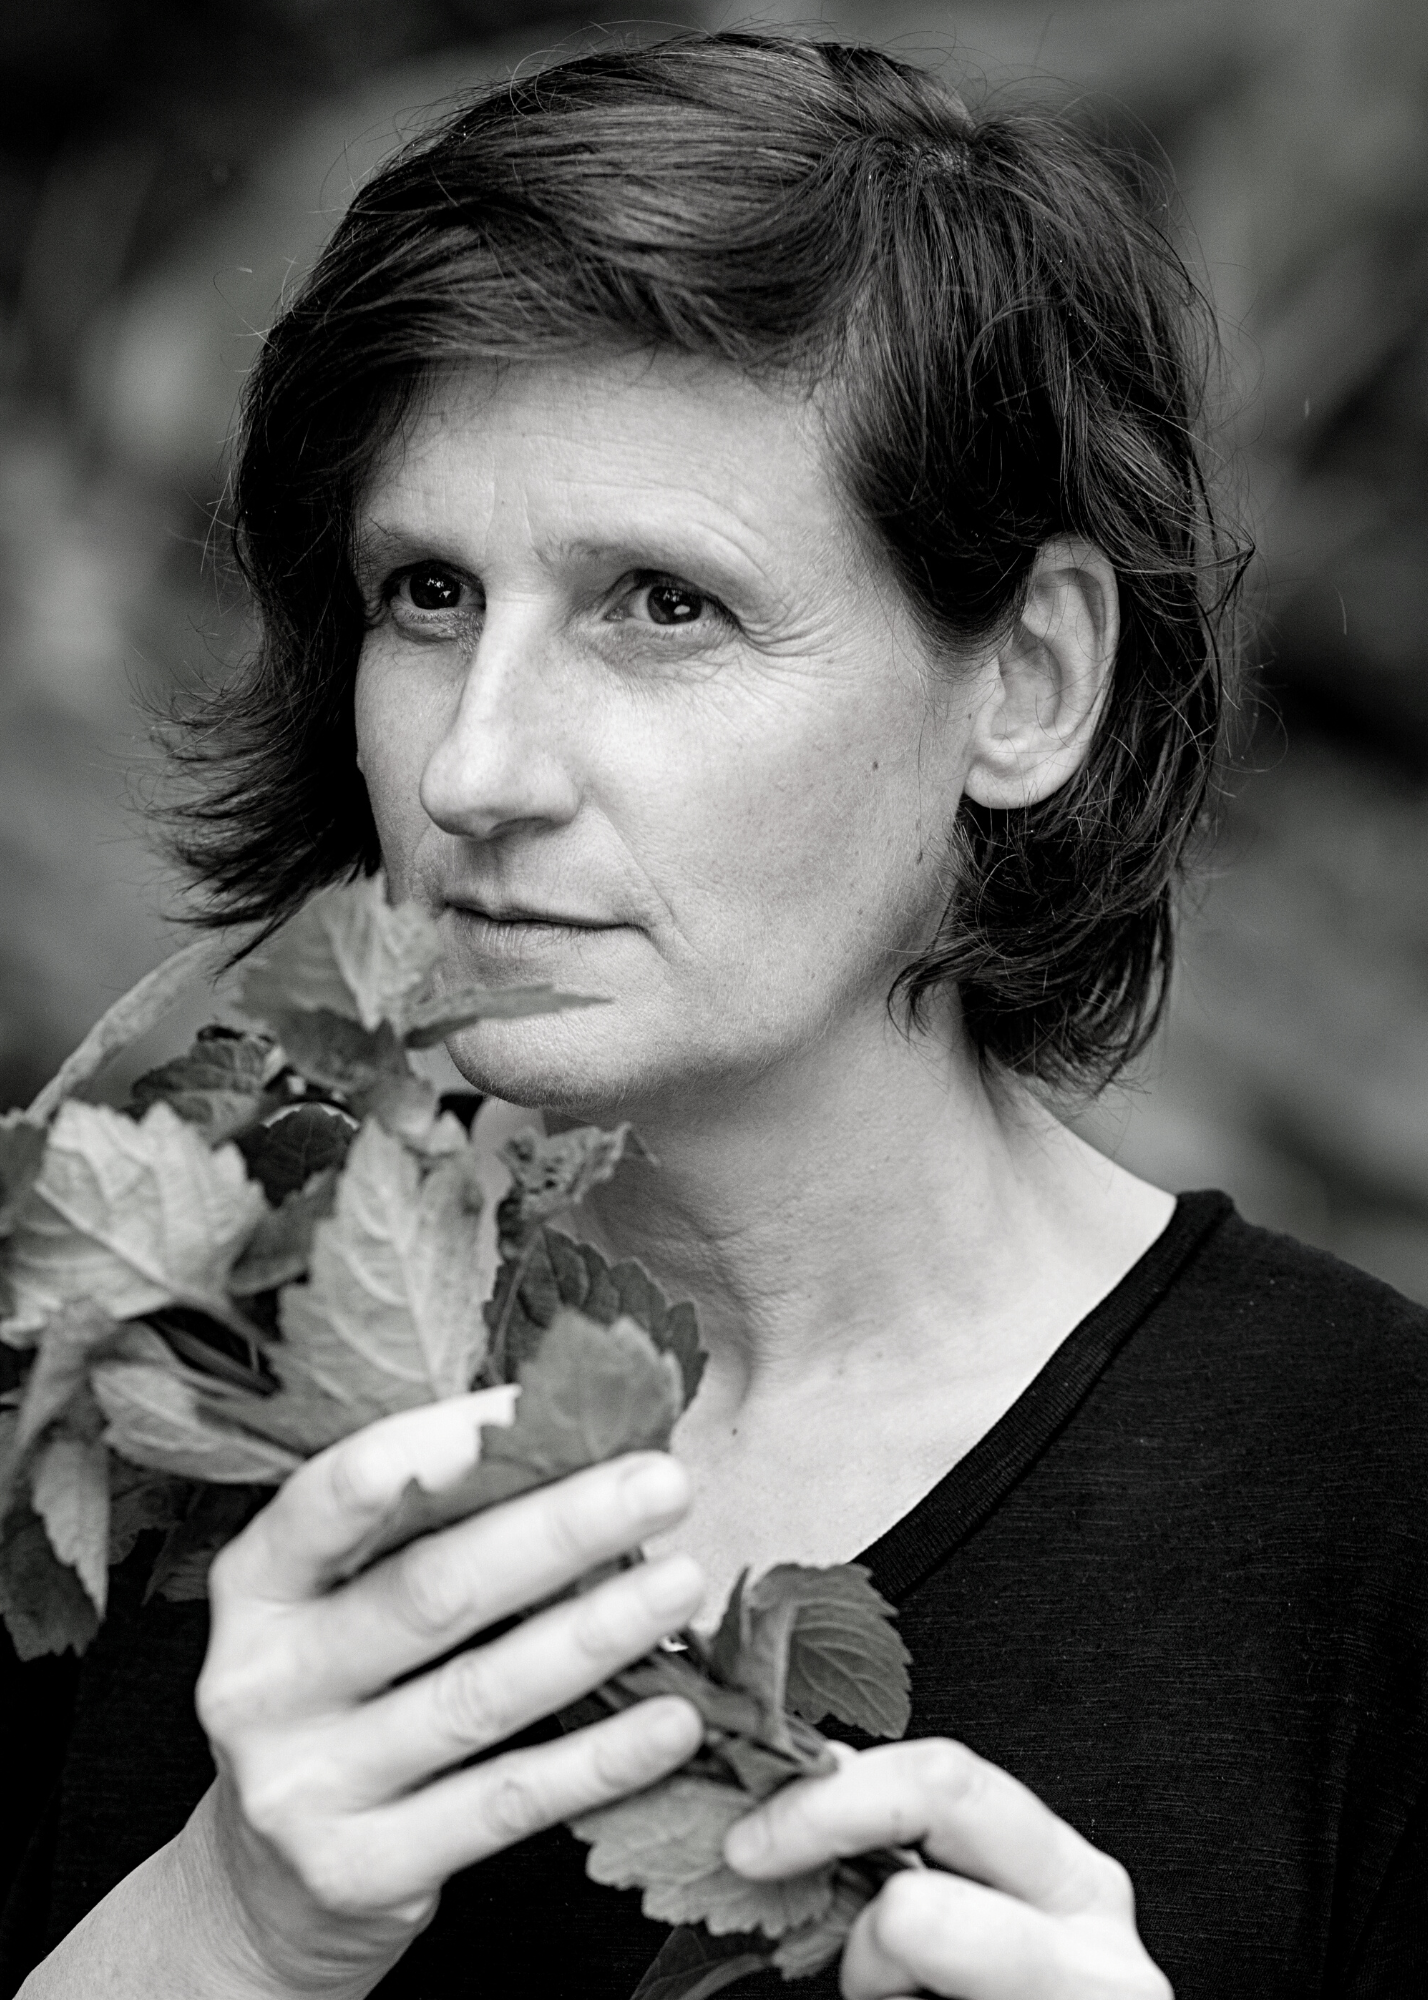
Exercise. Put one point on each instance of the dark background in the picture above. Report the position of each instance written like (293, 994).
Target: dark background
(165, 169)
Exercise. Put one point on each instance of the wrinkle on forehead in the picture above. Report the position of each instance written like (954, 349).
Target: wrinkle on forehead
(636, 453)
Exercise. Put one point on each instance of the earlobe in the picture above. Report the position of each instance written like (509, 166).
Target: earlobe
(1047, 683)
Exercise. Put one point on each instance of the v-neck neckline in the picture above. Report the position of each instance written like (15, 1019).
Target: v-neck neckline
(962, 1499)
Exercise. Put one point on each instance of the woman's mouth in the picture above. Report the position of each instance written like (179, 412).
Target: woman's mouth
(508, 930)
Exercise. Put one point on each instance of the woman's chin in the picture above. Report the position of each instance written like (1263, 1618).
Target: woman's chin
(548, 1062)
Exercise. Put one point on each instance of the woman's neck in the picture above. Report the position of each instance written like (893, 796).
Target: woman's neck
(873, 1210)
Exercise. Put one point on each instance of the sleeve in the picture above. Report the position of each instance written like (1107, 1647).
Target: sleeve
(1391, 1958)
(114, 1762)
(37, 1702)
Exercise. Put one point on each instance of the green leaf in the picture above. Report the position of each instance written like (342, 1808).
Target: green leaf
(762, 1665)
(22, 1146)
(285, 1153)
(69, 1490)
(164, 1417)
(220, 1085)
(339, 1054)
(280, 1248)
(129, 1216)
(808, 1948)
(405, 1103)
(669, 1841)
(730, 1711)
(221, 1355)
(591, 1393)
(390, 1315)
(45, 1606)
(819, 1642)
(447, 1278)
(430, 1020)
(139, 1501)
(556, 1271)
(347, 951)
(844, 1655)
(724, 1648)
(131, 1016)
(552, 1174)
(214, 1516)
(67, 1343)
(762, 1771)
(692, 1965)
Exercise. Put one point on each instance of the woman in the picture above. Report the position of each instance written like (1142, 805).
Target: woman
(729, 537)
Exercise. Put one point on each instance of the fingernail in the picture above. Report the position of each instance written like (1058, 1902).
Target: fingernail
(746, 1842)
(676, 1584)
(655, 1487)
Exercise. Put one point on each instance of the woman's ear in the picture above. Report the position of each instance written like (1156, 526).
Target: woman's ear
(1046, 685)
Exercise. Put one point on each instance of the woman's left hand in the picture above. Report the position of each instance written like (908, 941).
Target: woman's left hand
(1032, 1911)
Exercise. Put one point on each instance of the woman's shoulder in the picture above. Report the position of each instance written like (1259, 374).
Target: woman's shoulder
(1258, 1285)
(1314, 1371)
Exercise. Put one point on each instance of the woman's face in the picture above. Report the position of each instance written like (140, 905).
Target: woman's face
(642, 715)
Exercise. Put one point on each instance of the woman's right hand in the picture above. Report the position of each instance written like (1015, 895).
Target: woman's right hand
(340, 1808)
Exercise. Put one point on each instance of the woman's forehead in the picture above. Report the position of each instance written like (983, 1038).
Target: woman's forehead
(587, 455)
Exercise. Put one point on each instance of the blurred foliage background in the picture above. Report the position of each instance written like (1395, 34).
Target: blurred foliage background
(167, 166)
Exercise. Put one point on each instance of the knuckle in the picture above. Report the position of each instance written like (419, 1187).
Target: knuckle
(299, 1658)
(1112, 1882)
(1142, 1980)
(512, 1809)
(1091, 1881)
(224, 1570)
(332, 1873)
(359, 1474)
(271, 1805)
(427, 1589)
(467, 1707)
(222, 1703)
(622, 1757)
(792, 1814)
(905, 1909)
(251, 1679)
(592, 1629)
(950, 1769)
(569, 1529)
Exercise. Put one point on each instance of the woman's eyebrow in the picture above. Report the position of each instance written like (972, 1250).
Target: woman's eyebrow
(702, 558)
(376, 547)
(713, 560)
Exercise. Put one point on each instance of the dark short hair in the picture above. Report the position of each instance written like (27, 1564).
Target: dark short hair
(1007, 347)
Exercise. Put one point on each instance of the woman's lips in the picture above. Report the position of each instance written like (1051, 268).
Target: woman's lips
(549, 919)
(513, 916)
(517, 935)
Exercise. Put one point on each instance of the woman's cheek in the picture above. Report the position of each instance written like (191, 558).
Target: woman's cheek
(392, 751)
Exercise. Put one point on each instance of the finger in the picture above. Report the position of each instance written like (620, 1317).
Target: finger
(931, 1932)
(481, 1697)
(291, 1550)
(414, 1845)
(443, 1588)
(966, 1814)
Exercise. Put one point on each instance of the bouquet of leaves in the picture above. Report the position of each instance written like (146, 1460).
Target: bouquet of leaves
(276, 1242)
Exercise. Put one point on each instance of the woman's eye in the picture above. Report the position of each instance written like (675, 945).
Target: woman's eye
(673, 604)
(432, 587)
(664, 600)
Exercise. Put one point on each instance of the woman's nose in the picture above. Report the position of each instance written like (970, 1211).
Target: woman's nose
(502, 762)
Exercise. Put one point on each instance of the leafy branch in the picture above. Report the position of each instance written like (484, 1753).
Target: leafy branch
(279, 1239)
